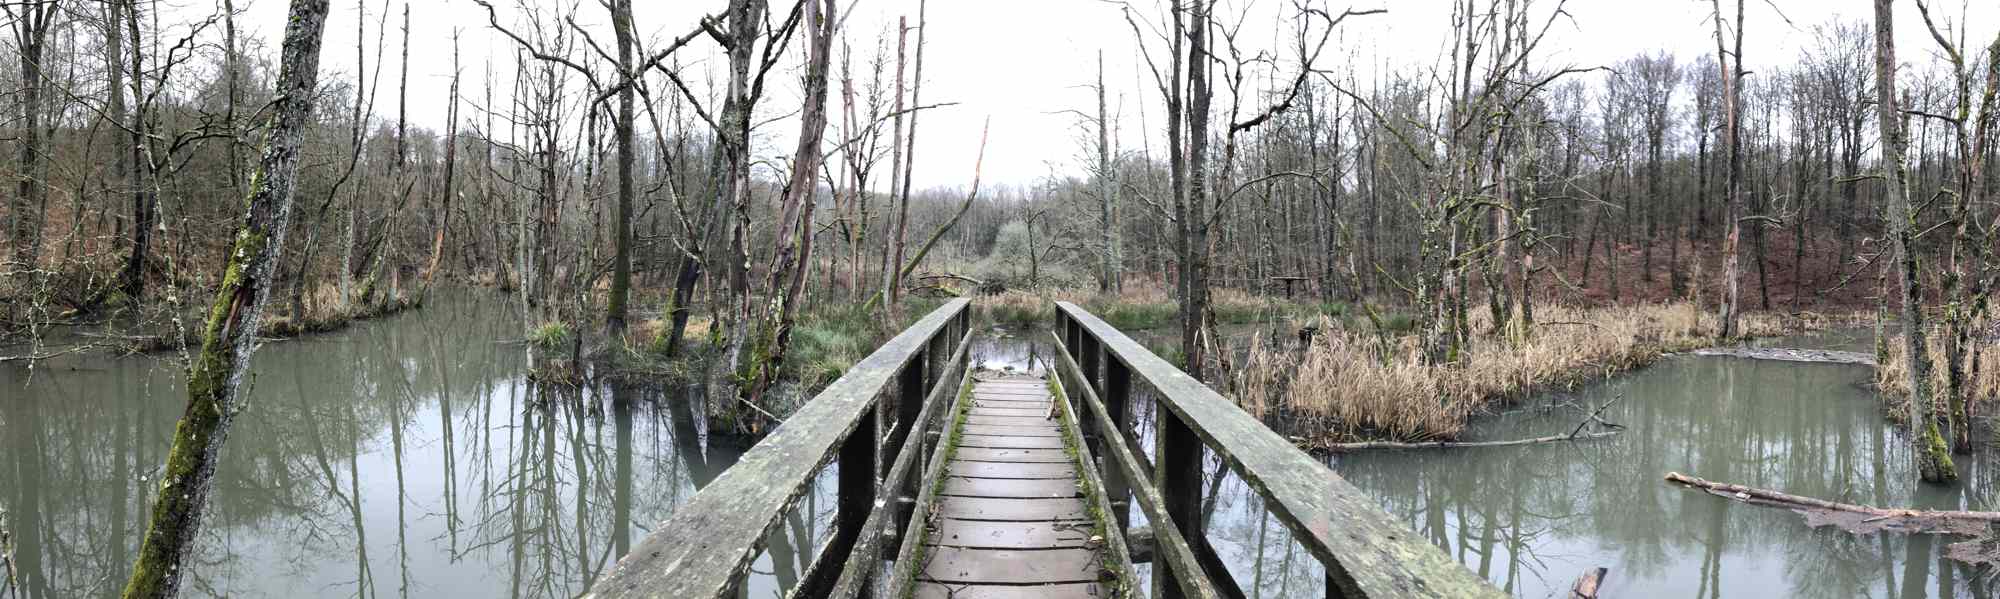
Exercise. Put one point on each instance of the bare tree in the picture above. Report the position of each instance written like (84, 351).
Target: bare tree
(1731, 64)
(31, 23)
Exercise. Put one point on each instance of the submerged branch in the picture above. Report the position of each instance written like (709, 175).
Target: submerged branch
(1578, 436)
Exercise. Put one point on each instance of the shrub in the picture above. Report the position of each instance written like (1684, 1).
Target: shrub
(550, 335)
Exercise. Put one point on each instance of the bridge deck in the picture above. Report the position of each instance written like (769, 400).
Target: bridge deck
(1010, 520)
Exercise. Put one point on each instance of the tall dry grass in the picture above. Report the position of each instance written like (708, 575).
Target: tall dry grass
(1892, 376)
(1138, 306)
(1342, 386)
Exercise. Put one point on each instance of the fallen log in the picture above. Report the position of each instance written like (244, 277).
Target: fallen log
(1862, 519)
(1586, 587)
(1779, 499)
(1982, 528)
(1780, 354)
(1580, 436)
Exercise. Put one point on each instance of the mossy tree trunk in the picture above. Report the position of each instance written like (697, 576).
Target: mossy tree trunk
(1933, 459)
(228, 338)
(621, 260)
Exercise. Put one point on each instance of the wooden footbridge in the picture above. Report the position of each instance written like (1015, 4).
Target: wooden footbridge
(954, 484)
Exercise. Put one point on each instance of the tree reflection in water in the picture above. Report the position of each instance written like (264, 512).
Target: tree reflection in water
(410, 457)
(1532, 519)
(404, 457)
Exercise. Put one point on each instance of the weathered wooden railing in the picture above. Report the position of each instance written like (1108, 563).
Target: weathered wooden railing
(707, 545)
(1366, 552)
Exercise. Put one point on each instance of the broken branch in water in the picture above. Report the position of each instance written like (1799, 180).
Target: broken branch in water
(1862, 519)
(1596, 415)
(74, 349)
(1797, 502)
(1577, 436)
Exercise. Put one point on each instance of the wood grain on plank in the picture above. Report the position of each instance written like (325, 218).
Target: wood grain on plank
(979, 534)
(996, 508)
(973, 440)
(1062, 471)
(934, 590)
(1046, 488)
(1008, 566)
(1002, 454)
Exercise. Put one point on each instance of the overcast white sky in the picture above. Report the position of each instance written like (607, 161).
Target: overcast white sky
(1021, 62)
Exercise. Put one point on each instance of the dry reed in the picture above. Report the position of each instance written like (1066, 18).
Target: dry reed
(1981, 367)
(1341, 387)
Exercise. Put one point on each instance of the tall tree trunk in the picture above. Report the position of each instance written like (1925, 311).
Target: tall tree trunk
(31, 33)
(450, 172)
(893, 292)
(1732, 84)
(621, 260)
(1934, 463)
(229, 337)
(132, 279)
(1194, 216)
(892, 258)
(745, 19)
(1107, 280)
(794, 239)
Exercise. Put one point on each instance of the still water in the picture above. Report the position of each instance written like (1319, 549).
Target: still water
(410, 457)
(403, 457)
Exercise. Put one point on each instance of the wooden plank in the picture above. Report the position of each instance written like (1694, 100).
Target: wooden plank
(1004, 441)
(1008, 411)
(1062, 470)
(709, 542)
(1007, 390)
(1039, 406)
(1032, 388)
(1013, 381)
(981, 534)
(1368, 553)
(932, 590)
(1010, 401)
(1022, 388)
(990, 454)
(959, 565)
(985, 419)
(1022, 510)
(1008, 487)
(1014, 431)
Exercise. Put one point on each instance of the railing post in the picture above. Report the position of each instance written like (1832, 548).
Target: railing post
(910, 392)
(1090, 349)
(1116, 396)
(860, 465)
(1177, 471)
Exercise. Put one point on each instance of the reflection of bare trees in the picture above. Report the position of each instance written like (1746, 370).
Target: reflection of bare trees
(419, 424)
(1530, 518)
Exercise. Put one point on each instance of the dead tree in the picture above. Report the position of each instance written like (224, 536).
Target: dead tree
(1731, 65)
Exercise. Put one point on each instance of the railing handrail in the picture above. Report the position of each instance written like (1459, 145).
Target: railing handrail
(706, 545)
(1366, 551)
